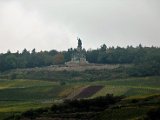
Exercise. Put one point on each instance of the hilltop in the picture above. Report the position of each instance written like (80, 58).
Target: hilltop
(76, 67)
(145, 59)
(32, 83)
(89, 72)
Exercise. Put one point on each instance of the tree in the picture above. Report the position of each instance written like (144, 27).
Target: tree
(33, 51)
(59, 59)
(53, 52)
(10, 61)
(103, 48)
(92, 56)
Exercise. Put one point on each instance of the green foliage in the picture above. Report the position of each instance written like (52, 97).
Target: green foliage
(21, 95)
(26, 59)
(70, 106)
(131, 87)
(145, 59)
(108, 107)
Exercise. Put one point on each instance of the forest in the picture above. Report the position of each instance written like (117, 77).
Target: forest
(146, 60)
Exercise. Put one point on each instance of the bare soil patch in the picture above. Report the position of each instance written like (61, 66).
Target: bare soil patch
(88, 92)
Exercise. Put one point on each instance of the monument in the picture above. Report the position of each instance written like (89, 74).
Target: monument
(78, 57)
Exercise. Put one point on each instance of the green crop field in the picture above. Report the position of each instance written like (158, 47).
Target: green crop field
(21, 95)
(131, 87)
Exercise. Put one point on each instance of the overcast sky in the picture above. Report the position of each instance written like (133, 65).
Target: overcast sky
(56, 24)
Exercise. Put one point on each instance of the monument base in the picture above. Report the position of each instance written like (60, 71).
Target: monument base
(77, 63)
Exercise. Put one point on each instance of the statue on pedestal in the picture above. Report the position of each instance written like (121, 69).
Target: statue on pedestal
(78, 57)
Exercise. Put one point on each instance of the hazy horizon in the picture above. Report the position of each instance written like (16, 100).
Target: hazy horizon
(56, 24)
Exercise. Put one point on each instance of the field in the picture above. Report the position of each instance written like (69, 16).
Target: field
(131, 87)
(88, 91)
(20, 95)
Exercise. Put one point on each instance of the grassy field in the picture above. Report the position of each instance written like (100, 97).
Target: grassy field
(21, 95)
(132, 87)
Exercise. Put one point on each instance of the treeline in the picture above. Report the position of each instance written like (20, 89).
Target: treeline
(119, 55)
(28, 59)
(130, 55)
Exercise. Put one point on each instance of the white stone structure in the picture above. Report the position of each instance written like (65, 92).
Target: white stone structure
(78, 58)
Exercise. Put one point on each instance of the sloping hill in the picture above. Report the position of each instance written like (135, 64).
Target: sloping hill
(101, 108)
(21, 95)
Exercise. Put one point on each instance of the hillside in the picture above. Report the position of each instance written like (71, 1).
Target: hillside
(77, 67)
(31, 91)
(89, 72)
(17, 96)
(108, 107)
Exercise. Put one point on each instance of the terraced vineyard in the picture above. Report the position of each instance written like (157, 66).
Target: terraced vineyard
(21, 95)
(88, 92)
(132, 87)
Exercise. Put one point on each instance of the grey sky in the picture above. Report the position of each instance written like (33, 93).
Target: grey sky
(55, 24)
